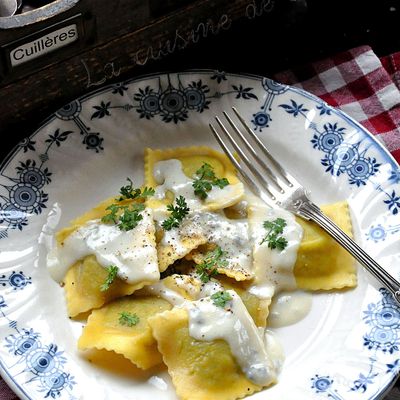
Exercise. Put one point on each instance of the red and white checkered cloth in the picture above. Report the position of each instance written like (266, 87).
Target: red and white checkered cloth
(361, 85)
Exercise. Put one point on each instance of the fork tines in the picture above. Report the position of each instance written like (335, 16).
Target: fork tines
(263, 174)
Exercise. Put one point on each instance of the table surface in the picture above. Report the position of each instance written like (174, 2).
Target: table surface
(300, 31)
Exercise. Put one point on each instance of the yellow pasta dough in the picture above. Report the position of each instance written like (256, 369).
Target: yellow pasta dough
(257, 308)
(192, 158)
(167, 253)
(321, 262)
(185, 285)
(231, 270)
(136, 343)
(95, 213)
(199, 370)
(82, 287)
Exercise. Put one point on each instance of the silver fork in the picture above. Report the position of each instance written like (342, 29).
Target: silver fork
(267, 179)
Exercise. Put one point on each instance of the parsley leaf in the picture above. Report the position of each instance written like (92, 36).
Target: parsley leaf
(147, 192)
(130, 217)
(221, 298)
(129, 192)
(112, 274)
(206, 180)
(127, 318)
(274, 229)
(208, 268)
(112, 216)
(127, 219)
(178, 212)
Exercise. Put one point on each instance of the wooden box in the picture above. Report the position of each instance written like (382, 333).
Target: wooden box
(60, 51)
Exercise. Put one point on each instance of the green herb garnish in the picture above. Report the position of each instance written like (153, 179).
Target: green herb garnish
(274, 229)
(112, 216)
(112, 274)
(129, 192)
(130, 217)
(126, 217)
(221, 298)
(206, 180)
(208, 268)
(178, 212)
(128, 319)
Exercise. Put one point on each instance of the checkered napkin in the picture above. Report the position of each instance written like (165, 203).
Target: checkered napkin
(360, 84)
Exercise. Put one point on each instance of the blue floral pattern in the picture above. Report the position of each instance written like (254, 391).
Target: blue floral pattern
(262, 118)
(44, 364)
(378, 233)
(339, 157)
(25, 194)
(383, 321)
(71, 112)
(324, 385)
(173, 103)
(15, 280)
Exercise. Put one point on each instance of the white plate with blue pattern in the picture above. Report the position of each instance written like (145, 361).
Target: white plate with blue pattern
(346, 348)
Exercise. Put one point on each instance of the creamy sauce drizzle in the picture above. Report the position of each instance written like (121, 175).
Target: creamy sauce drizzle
(133, 251)
(259, 357)
(170, 177)
(231, 235)
(234, 325)
(256, 350)
(287, 308)
(160, 290)
(273, 267)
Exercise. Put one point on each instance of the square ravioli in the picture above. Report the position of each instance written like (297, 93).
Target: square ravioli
(91, 252)
(319, 263)
(172, 173)
(200, 370)
(205, 231)
(107, 329)
(322, 264)
(82, 285)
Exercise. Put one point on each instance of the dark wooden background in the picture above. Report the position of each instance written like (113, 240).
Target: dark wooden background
(293, 33)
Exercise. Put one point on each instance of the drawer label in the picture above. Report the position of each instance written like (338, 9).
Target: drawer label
(44, 44)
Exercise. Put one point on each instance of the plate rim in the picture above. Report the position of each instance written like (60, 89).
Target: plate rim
(13, 385)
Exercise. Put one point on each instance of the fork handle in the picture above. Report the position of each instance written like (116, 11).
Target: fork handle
(311, 211)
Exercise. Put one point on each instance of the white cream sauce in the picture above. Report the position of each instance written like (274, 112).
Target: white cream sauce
(274, 348)
(287, 308)
(259, 356)
(234, 325)
(273, 268)
(160, 290)
(232, 235)
(170, 177)
(133, 252)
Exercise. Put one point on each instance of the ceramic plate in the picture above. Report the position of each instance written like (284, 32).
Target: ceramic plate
(346, 348)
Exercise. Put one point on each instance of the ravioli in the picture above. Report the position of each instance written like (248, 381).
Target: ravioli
(258, 308)
(136, 343)
(185, 285)
(231, 270)
(322, 264)
(199, 370)
(95, 213)
(88, 246)
(233, 304)
(174, 246)
(213, 230)
(82, 285)
(191, 159)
